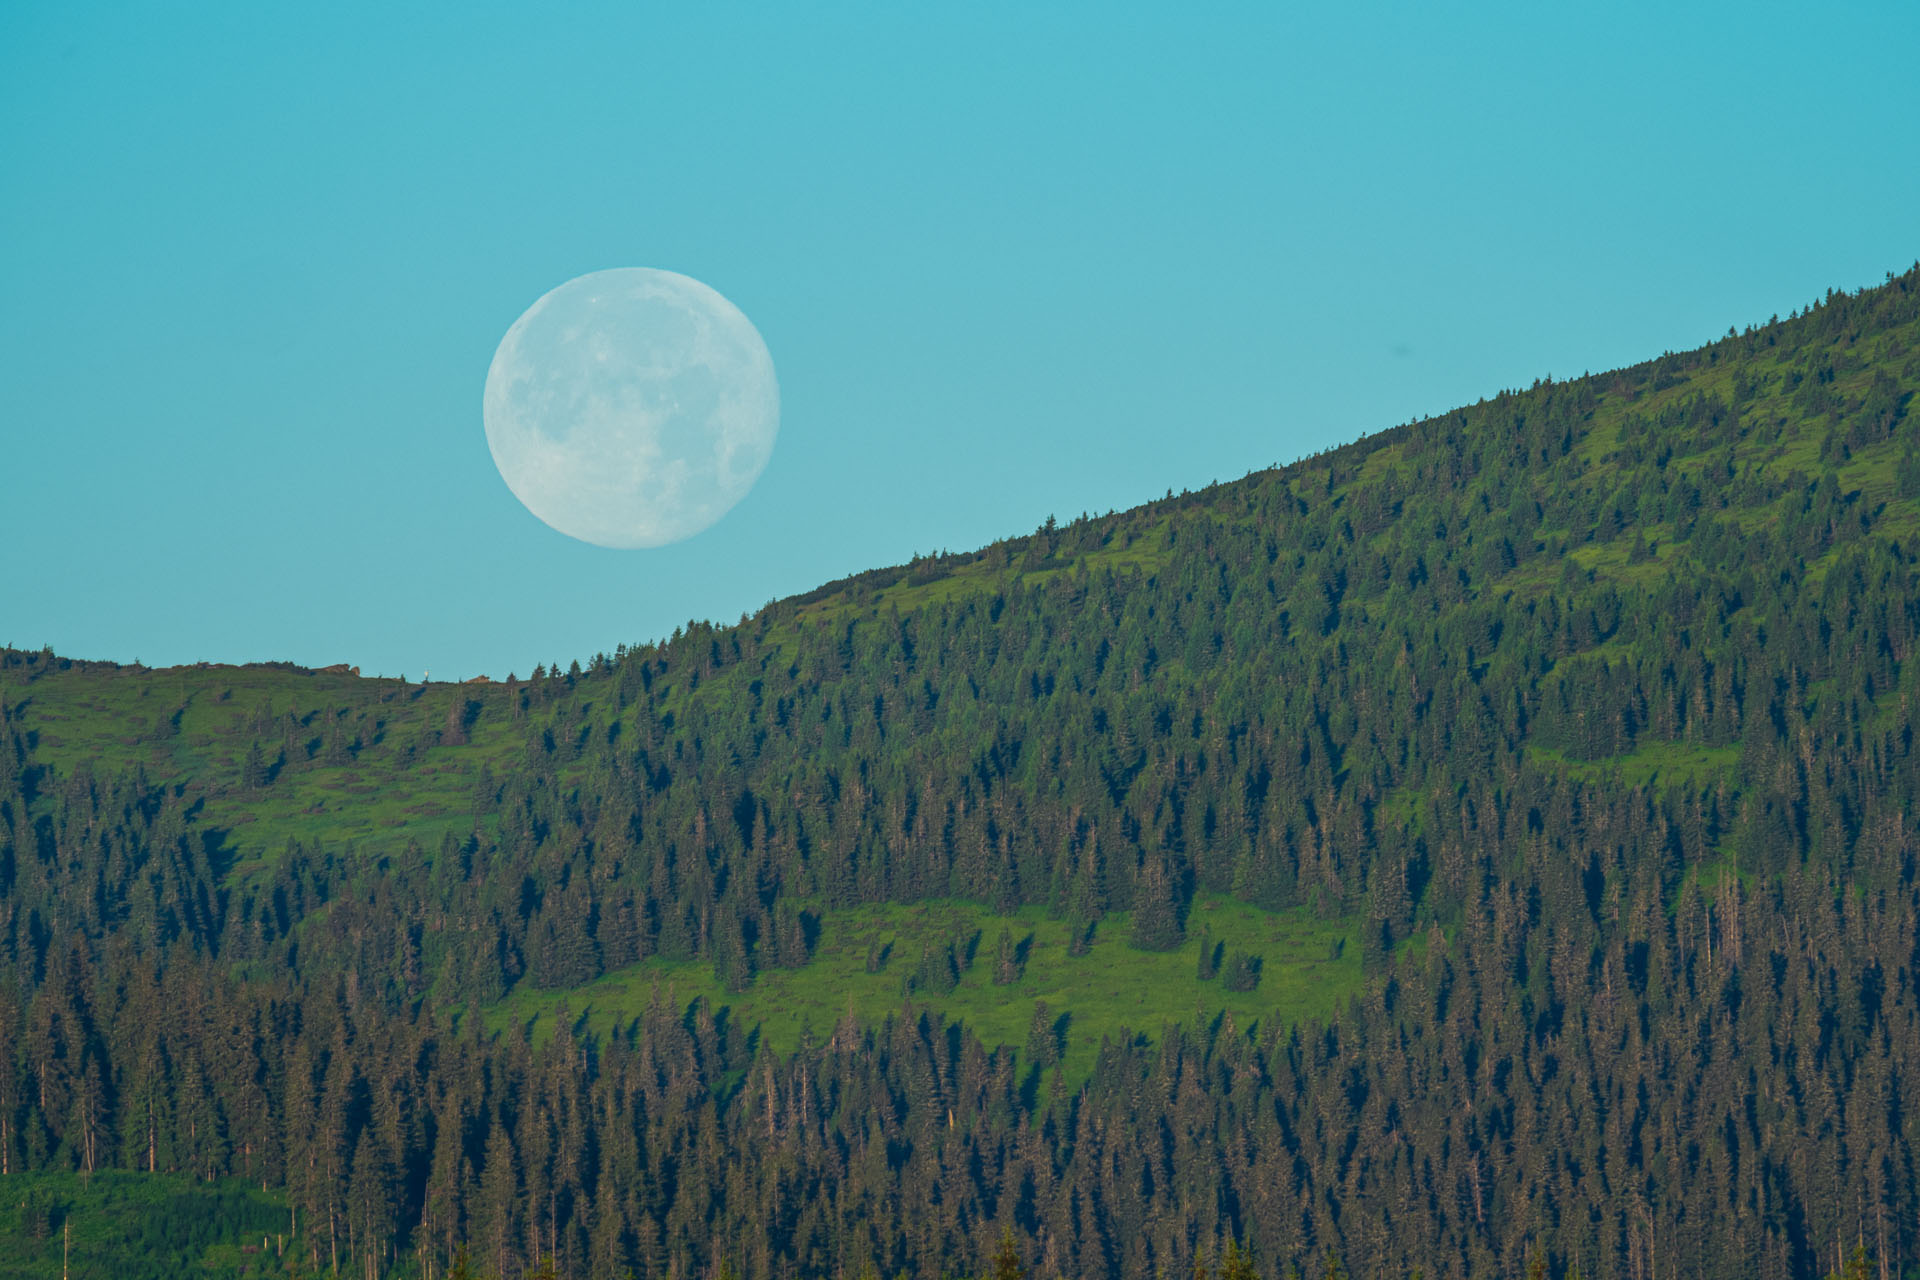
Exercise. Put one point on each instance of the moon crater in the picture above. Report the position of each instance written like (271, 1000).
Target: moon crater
(631, 407)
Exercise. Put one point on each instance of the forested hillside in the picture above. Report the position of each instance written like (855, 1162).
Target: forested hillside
(1487, 844)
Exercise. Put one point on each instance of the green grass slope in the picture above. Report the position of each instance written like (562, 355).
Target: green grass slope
(116, 1225)
(873, 961)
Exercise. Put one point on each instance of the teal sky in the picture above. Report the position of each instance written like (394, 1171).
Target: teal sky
(255, 258)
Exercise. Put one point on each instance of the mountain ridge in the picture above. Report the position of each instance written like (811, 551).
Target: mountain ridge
(1394, 855)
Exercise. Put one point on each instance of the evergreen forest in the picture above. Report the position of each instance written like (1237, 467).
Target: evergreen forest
(1484, 849)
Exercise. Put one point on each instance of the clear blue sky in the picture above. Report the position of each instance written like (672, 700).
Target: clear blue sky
(254, 260)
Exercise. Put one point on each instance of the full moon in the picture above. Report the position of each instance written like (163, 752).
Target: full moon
(632, 407)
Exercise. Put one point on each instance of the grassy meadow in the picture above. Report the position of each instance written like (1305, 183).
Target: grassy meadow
(1308, 966)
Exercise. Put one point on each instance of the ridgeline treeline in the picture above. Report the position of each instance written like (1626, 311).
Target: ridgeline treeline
(1591, 706)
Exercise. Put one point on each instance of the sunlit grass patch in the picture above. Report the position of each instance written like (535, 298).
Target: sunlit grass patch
(1309, 966)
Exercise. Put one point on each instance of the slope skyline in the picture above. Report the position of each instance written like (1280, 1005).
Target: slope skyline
(1008, 264)
(623, 643)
